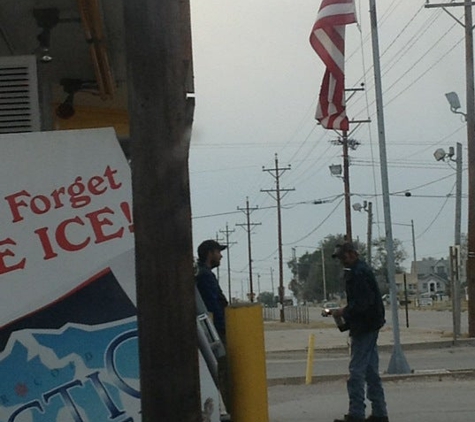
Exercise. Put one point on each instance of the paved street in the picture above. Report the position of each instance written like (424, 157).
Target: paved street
(293, 364)
(420, 400)
(431, 394)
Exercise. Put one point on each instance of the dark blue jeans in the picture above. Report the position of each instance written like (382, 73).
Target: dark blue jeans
(364, 371)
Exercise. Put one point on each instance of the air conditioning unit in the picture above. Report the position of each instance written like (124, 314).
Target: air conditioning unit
(19, 103)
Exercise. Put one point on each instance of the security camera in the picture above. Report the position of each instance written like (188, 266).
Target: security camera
(439, 154)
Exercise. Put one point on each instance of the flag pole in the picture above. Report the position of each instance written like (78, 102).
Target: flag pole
(398, 363)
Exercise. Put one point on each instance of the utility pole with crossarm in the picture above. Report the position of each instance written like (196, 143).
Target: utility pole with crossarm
(248, 227)
(227, 232)
(470, 118)
(277, 172)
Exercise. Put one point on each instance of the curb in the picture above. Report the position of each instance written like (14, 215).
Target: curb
(438, 375)
(437, 344)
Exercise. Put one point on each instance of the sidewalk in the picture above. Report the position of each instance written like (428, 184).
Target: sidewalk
(430, 353)
(296, 339)
(437, 390)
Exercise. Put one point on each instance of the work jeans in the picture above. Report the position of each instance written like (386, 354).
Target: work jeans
(364, 371)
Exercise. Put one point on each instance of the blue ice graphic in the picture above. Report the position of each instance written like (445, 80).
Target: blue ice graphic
(78, 374)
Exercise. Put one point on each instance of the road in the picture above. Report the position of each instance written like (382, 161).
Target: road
(293, 364)
(419, 400)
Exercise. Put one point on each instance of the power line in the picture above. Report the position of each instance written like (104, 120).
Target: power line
(316, 228)
(437, 215)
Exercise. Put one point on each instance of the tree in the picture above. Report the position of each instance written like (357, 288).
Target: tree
(380, 263)
(307, 271)
(267, 299)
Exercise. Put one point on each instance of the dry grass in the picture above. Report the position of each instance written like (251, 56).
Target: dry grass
(438, 306)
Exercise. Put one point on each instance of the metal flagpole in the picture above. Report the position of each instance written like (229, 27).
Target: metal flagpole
(398, 363)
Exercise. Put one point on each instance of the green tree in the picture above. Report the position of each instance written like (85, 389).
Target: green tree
(380, 258)
(267, 299)
(307, 271)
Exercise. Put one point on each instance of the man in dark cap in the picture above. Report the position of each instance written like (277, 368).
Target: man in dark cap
(364, 316)
(209, 257)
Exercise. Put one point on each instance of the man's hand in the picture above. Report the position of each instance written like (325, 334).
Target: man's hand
(336, 312)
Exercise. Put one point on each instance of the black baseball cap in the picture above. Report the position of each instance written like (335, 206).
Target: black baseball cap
(340, 250)
(207, 246)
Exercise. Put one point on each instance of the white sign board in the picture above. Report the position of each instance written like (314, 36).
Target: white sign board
(65, 208)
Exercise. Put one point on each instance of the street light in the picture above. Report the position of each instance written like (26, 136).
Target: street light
(454, 102)
(441, 155)
(368, 207)
(335, 170)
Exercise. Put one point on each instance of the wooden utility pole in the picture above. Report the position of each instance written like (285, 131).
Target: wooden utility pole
(470, 118)
(272, 281)
(346, 182)
(158, 46)
(347, 143)
(248, 227)
(219, 240)
(227, 232)
(369, 239)
(324, 275)
(276, 172)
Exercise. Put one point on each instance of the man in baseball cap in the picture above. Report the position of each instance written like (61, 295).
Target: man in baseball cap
(341, 250)
(209, 257)
(363, 316)
(209, 246)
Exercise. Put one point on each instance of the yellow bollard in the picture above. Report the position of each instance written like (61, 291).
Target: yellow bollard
(247, 363)
(310, 352)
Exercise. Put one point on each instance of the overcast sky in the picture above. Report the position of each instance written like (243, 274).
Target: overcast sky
(257, 80)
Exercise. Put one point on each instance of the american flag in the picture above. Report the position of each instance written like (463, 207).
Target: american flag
(328, 40)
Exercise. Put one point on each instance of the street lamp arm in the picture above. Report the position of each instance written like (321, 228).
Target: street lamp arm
(455, 111)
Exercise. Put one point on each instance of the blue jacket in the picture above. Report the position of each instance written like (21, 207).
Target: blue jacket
(212, 296)
(365, 309)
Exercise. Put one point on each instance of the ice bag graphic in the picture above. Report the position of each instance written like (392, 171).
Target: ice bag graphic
(73, 360)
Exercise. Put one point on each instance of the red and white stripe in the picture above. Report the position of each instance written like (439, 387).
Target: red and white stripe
(328, 40)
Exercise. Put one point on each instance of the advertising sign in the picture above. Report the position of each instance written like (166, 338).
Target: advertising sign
(68, 318)
(68, 325)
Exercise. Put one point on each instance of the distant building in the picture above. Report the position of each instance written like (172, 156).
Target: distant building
(411, 283)
(440, 267)
(434, 284)
(432, 277)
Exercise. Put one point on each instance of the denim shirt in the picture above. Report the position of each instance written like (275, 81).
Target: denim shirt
(212, 296)
(365, 309)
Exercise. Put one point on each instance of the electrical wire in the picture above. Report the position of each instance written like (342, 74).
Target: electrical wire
(423, 56)
(438, 214)
(396, 38)
(427, 71)
(316, 228)
(402, 52)
(414, 39)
